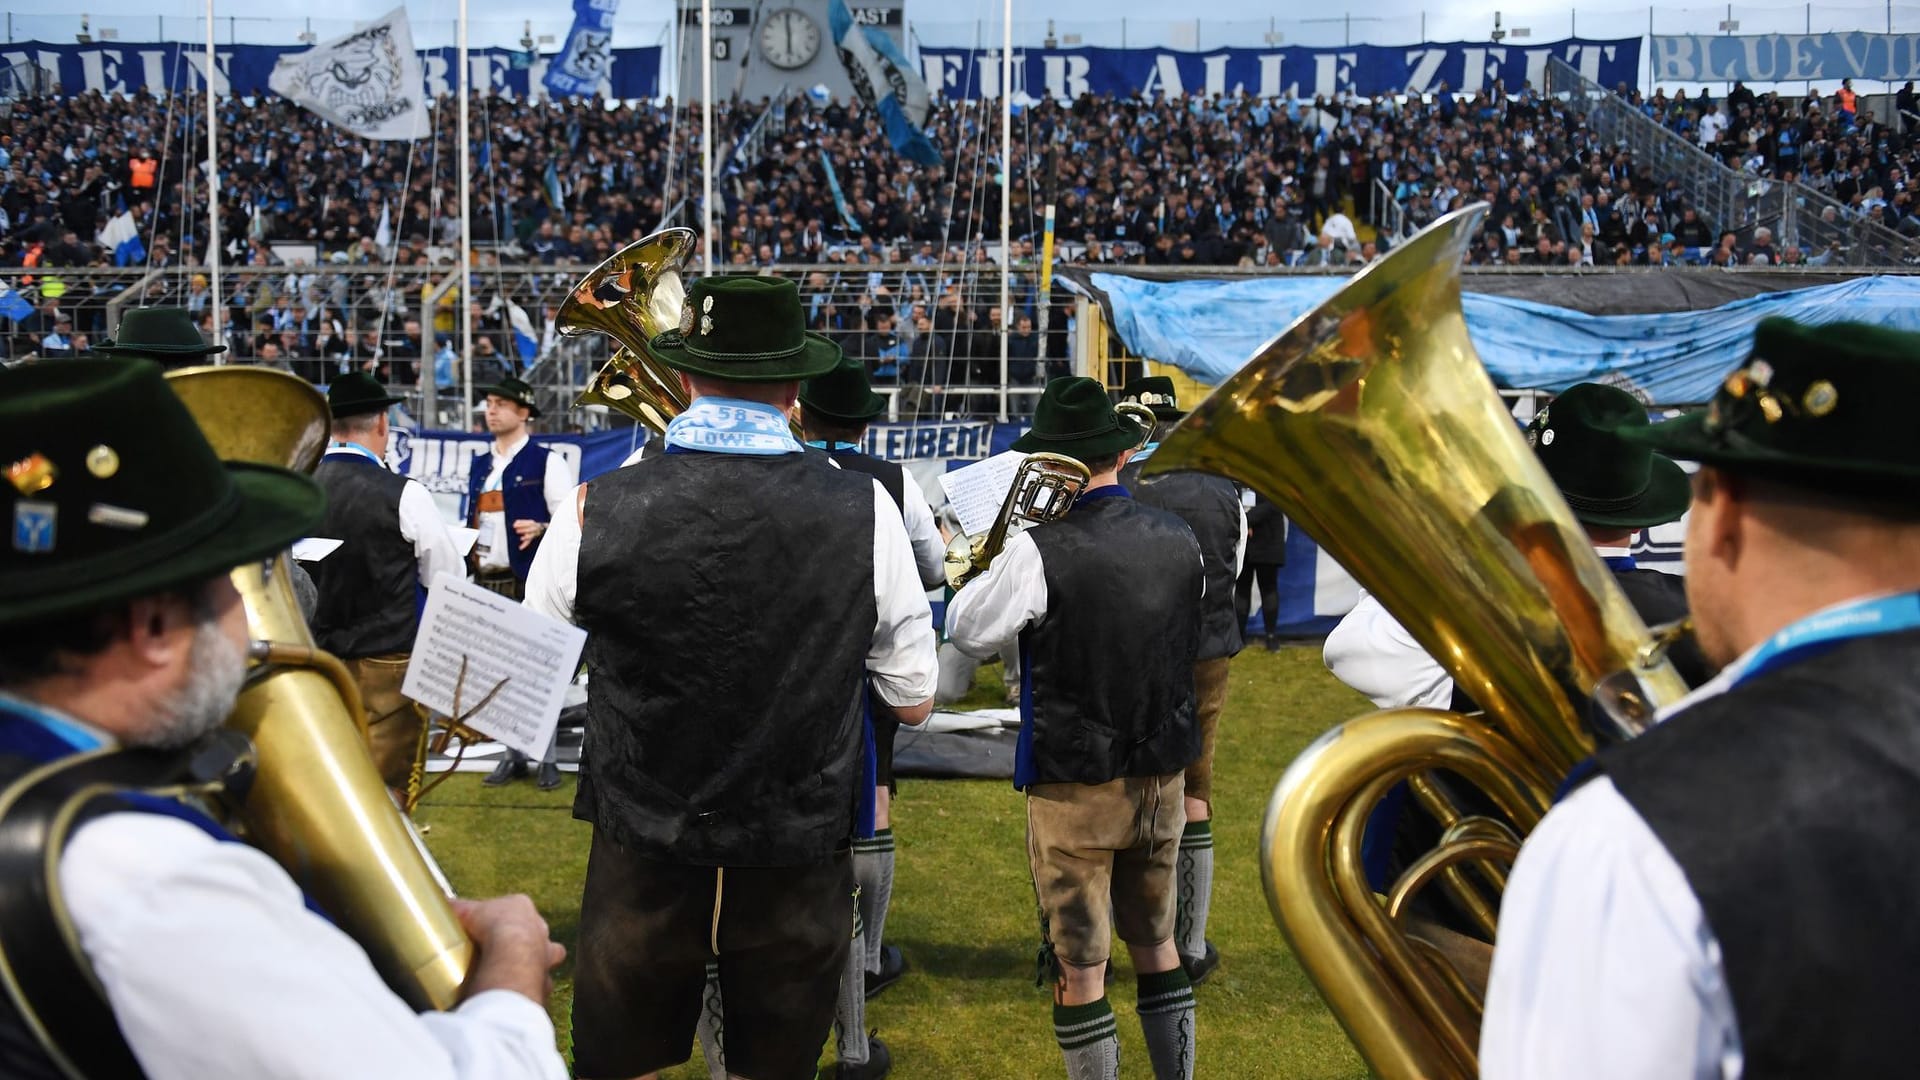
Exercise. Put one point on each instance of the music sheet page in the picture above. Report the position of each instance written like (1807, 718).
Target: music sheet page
(977, 490)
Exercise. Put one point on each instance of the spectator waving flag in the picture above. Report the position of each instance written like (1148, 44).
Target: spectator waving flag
(587, 61)
(368, 82)
(122, 237)
(885, 81)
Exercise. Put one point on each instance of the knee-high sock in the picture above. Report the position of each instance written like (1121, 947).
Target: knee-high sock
(712, 1025)
(850, 1013)
(1088, 1040)
(1195, 877)
(1166, 1019)
(873, 872)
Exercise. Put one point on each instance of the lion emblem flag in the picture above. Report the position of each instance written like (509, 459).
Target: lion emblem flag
(368, 82)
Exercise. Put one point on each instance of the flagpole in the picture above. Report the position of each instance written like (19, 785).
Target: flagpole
(706, 132)
(213, 194)
(1006, 190)
(466, 231)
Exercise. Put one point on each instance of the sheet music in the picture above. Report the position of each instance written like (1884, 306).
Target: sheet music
(977, 490)
(500, 639)
(314, 548)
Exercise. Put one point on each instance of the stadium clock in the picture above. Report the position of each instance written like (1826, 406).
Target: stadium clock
(789, 38)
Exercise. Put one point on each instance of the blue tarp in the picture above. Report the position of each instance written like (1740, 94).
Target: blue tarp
(1210, 328)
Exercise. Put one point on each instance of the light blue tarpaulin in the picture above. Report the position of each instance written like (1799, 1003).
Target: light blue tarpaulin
(1210, 328)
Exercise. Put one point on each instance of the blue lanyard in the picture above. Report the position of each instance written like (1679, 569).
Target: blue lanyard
(1617, 563)
(1864, 618)
(835, 447)
(356, 448)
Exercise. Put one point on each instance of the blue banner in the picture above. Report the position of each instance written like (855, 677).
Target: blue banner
(1210, 328)
(587, 59)
(125, 67)
(1768, 58)
(1465, 67)
(441, 460)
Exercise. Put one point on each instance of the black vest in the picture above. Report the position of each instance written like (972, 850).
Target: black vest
(368, 603)
(1791, 802)
(1210, 505)
(1111, 662)
(891, 476)
(728, 602)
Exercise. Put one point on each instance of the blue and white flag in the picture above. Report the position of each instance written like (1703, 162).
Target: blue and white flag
(122, 237)
(886, 82)
(12, 304)
(587, 61)
(525, 341)
(369, 82)
(839, 198)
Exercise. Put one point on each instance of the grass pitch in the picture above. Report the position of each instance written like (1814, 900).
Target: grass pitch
(963, 905)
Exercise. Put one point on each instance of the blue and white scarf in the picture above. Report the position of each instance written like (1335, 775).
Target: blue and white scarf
(731, 426)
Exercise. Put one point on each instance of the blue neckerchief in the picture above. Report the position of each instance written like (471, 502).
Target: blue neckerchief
(41, 733)
(357, 450)
(730, 426)
(1825, 629)
(1618, 563)
(833, 447)
(1105, 491)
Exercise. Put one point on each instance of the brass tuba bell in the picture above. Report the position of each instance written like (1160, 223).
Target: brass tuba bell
(316, 804)
(1372, 423)
(637, 293)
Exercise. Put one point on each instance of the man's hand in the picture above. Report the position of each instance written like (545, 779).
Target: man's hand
(529, 530)
(511, 948)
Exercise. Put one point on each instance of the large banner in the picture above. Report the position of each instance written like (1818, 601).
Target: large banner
(368, 82)
(124, 67)
(585, 62)
(1766, 58)
(1465, 67)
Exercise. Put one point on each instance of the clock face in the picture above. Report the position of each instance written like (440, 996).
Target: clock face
(789, 38)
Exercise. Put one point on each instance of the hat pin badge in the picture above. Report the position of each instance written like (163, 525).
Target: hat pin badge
(1821, 398)
(103, 461)
(32, 474)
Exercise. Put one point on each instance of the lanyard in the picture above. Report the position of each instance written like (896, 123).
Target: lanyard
(1862, 618)
(356, 448)
(835, 447)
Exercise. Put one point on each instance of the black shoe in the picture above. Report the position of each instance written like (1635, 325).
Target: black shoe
(1273, 643)
(893, 964)
(1199, 969)
(878, 1064)
(511, 768)
(549, 776)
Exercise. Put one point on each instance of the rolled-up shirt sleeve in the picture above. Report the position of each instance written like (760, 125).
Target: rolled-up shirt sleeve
(995, 606)
(902, 664)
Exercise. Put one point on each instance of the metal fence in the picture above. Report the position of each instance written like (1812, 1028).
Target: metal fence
(1798, 216)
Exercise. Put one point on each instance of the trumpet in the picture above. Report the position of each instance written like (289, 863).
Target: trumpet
(1142, 416)
(1043, 490)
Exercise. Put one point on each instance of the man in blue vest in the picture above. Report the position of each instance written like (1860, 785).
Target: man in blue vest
(1731, 895)
(123, 644)
(514, 489)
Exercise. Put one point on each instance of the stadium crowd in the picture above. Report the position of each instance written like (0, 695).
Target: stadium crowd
(1194, 181)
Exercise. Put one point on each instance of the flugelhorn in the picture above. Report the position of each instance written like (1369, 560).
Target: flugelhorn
(637, 293)
(1372, 424)
(316, 804)
(1043, 490)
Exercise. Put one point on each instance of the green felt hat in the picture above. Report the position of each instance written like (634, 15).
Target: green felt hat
(165, 334)
(113, 493)
(843, 395)
(1076, 418)
(1828, 406)
(747, 329)
(513, 390)
(357, 393)
(1156, 393)
(1608, 480)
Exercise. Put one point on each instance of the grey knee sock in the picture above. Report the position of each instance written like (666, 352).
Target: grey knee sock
(1088, 1040)
(850, 1014)
(873, 872)
(1166, 1019)
(712, 1025)
(1195, 877)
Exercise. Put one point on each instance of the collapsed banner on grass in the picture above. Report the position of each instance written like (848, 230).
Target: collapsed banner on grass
(1210, 328)
(1768, 58)
(157, 67)
(1466, 67)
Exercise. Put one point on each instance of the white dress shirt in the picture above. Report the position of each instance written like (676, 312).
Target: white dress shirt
(929, 551)
(421, 525)
(497, 537)
(901, 662)
(215, 968)
(1370, 651)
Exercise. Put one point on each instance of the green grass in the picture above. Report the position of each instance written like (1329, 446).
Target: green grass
(963, 905)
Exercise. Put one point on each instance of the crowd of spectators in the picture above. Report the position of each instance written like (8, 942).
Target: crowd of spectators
(1187, 182)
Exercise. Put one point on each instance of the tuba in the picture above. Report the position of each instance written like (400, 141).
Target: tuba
(315, 803)
(1372, 423)
(635, 294)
